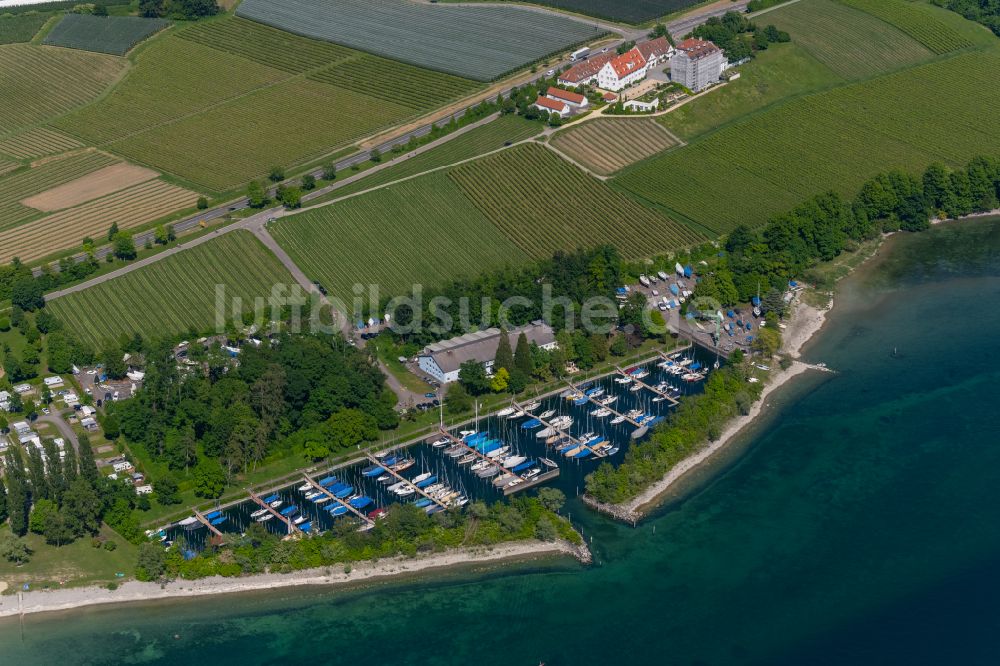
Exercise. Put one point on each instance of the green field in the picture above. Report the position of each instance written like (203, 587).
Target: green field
(25, 183)
(41, 82)
(852, 43)
(915, 21)
(174, 294)
(116, 35)
(415, 88)
(836, 139)
(423, 230)
(20, 28)
(545, 204)
(37, 142)
(475, 142)
(780, 72)
(605, 145)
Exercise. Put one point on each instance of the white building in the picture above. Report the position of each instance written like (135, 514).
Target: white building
(697, 64)
(645, 107)
(656, 52)
(442, 360)
(144, 490)
(552, 106)
(4, 401)
(622, 71)
(54, 381)
(575, 100)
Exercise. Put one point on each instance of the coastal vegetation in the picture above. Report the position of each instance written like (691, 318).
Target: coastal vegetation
(405, 531)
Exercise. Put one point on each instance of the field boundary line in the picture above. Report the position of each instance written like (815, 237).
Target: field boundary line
(570, 160)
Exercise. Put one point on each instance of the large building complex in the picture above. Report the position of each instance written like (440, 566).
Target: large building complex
(442, 360)
(697, 64)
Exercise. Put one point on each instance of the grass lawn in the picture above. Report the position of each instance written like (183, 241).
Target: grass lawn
(73, 565)
(780, 72)
(390, 352)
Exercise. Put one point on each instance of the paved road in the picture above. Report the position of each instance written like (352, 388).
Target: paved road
(64, 428)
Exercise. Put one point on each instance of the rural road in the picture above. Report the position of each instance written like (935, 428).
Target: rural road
(679, 26)
(64, 428)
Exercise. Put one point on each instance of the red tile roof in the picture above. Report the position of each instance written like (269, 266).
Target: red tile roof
(587, 68)
(628, 63)
(697, 48)
(610, 97)
(654, 48)
(550, 104)
(565, 95)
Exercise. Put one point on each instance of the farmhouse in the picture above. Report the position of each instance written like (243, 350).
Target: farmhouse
(585, 72)
(442, 360)
(656, 51)
(622, 71)
(697, 64)
(552, 106)
(575, 100)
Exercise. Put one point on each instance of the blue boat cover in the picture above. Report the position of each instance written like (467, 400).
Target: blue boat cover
(344, 493)
(695, 365)
(525, 465)
(360, 502)
(426, 482)
(755, 300)
(288, 510)
(674, 290)
(328, 481)
(271, 498)
(582, 454)
(219, 520)
(213, 514)
(533, 423)
(305, 527)
(337, 510)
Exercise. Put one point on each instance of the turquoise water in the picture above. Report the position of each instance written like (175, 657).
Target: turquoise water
(861, 525)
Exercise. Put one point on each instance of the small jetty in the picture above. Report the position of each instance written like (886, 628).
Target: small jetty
(666, 396)
(292, 527)
(399, 477)
(208, 523)
(552, 470)
(315, 484)
(599, 453)
(601, 405)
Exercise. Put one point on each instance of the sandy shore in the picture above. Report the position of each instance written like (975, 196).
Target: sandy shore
(132, 591)
(804, 323)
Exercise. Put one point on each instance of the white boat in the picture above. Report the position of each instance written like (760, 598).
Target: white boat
(396, 486)
(405, 492)
(433, 488)
(644, 280)
(623, 380)
(502, 480)
(587, 436)
(385, 478)
(610, 400)
(498, 452)
(190, 520)
(466, 459)
(305, 487)
(562, 422)
(322, 500)
(634, 414)
(618, 419)
(506, 411)
(531, 473)
(266, 517)
(421, 477)
(596, 393)
(515, 414)
(482, 464)
(659, 398)
(300, 520)
(679, 269)
(531, 406)
(634, 388)
(601, 413)
(258, 513)
(513, 461)
(640, 374)
(440, 443)
(547, 432)
(276, 503)
(662, 275)
(549, 413)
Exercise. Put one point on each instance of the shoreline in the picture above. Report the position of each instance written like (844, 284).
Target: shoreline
(49, 601)
(805, 322)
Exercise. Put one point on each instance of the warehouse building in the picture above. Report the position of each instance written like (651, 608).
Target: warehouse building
(442, 360)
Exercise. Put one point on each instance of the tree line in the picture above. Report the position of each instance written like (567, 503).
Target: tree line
(738, 36)
(986, 12)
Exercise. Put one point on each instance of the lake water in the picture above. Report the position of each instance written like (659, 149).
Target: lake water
(861, 524)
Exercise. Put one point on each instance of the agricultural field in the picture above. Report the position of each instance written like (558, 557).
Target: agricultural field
(20, 28)
(544, 204)
(29, 182)
(852, 43)
(38, 83)
(232, 143)
(128, 208)
(606, 145)
(116, 35)
(473, 143)
(266, 45)
(915, 21)
(774, 75)
(861, 129)
(627, 11)
(413, 87)
(422, 230)
(473, 42)
(175, 294)
(171, 78)
(38, 142)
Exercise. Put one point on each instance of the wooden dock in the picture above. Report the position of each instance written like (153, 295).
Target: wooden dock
(608, 407)
(563, 433)
(407, 481)
(367, 521)
(531, 483)
(292, 527)
(666, 396)
(482, 456)
(207, 523)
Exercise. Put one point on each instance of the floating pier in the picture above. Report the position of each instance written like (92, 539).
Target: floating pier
(541, 478)
(563, 433)
(367, 521)
(207, 523)
(493, 461)
(666, 396)
(405, 480)
(607, 407)
(292, 527)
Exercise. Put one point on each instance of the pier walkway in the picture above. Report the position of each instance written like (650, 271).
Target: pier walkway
(292, 527)
(563, 433)
(367, 521)
(399, 477)
(611, 409)
(666, 396)
(482, 456)
(207, 523)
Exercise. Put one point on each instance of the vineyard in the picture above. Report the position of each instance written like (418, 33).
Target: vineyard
(606, 145)
(915, 21)
(852, 43)
(474, 42)
(544, 204)
(746, 172)
(116, 35)
(20, 28)
(40, 82)
(628, 11)
(37, 142)
(473, 143)
(171, 78)
(29, 182)
(421, 231)
(413, 87)
(240, 140)
(131, 207)
(174, 295)
(266, 45)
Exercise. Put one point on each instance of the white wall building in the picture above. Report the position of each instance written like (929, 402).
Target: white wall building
(442, 360)
(622, 71)
(697, 64)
